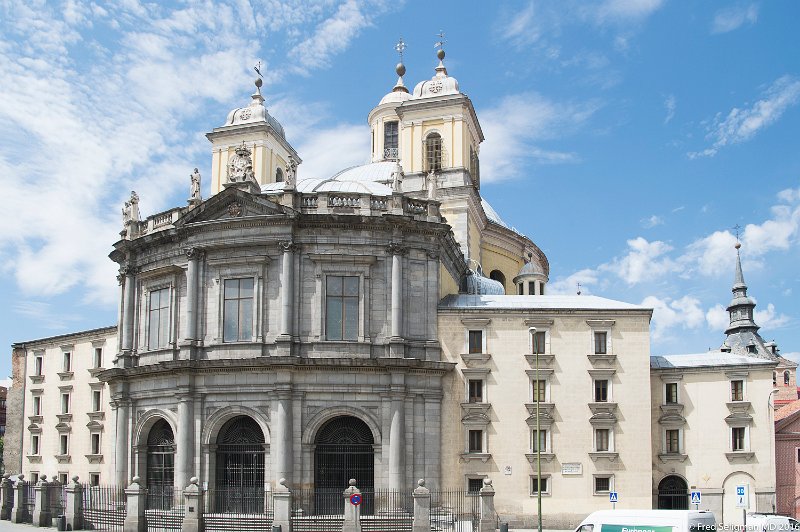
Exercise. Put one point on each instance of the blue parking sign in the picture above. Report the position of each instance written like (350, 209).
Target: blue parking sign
(613, 496)
(740, 491)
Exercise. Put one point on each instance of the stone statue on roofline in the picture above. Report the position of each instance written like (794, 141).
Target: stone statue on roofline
(433, 185)
(397, 178)
(130, 212)
(194, 189)
(291, 174)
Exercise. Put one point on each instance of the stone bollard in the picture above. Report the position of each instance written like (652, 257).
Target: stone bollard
(19, 514)
(352, 512)
(41, 504)
(7, 497)
(73, 512)
(422, 508)
(488, 515)
(282, 506)
(135, 501)
(193, 504)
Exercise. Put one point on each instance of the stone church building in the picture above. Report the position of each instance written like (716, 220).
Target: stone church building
(382, 324)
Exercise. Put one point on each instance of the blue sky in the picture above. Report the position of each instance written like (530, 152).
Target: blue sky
(625, 137)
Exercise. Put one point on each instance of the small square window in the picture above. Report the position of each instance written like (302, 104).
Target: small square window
(602, 484)
(539, 345)
(671, 392)
(737, 390)
(600, 343)
(474, 485)
(62, 478)
(601, 440)
(476, 341)
(475, 394)
(540, 487)
(672, 441)
(94, 479)
(738, 439)
(475, 441)
(601, 391)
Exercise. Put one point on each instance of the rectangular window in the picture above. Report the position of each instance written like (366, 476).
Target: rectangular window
(35, 444)
(671, 392)
(98, 357)
(601, 391)
(159, 318)
(37, 406)
(95, 443)
(540, 443)
(474, 485)
(38, 366)
(62, 478)
(798, 455)
(342, 308)
(65, 403)
(64, 444)
(67, 361)
(390, 151)
(94, 479)
(737, 439)
(433, 152)
(475, 441)
(475, 391)
(737, 390)
(602, 484)
(96, 403)
(539, 342)
(601, 440)
(539, 390)
(238, 310)
(476, 341)
(34, 478)
(541, 289)
(672, 441)
(531, 288)
(520, 289)
(600, 343)
(537, 487)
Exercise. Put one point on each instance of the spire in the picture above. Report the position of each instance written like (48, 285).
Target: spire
(441, 71)
(742, 332)
(738, 281)
(400, 68)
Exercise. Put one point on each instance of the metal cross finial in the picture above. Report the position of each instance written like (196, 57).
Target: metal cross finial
(442, 40)
(257, 68)
(579, 288)
(737, 227)
(400, 46)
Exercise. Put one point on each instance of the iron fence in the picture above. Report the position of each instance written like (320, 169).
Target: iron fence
(384, 510)
(104, 507)
(317, 510)
(30, 501)
(164, 509)
(239, 508)
(57, 499)
(454, 511)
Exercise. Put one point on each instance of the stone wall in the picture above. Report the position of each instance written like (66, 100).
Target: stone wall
(12, 441)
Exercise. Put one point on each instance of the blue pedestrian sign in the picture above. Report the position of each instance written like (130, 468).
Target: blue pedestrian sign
(695, 497)
(613, 496)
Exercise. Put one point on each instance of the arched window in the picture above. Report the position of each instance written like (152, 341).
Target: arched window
(390, 141)
(497, 275)
(786, 378)
(433, 152)
(278, 175)
(673, 494)
(240, 462)
(160, 465)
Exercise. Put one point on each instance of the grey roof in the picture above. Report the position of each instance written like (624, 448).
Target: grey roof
(708, 359)
(554, 302)
(364, 179)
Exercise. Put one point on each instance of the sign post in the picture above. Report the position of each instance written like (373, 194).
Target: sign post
(696, 499)
(613, 498)
(743, 500)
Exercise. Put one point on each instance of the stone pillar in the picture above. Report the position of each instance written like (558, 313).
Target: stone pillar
(281, 437)
(41, 505)
(7, 497)
(193, 504)
(193, 255)
(352, 512)
(122, 409)
(282, 506)
(422, 508)
(135, 496)
(287, 289)
(19, 513)
(184, 441)
(488, 515)
(74, 505)
(397, 447)
(396, 347)
(128, 296)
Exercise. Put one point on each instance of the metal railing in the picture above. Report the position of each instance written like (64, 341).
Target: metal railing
(387, 510)
(391, 154)
(30, 501)
(104, 507)
(454, 511)
(164, 509)
(235, 508)
(57, 499)
(317, 510)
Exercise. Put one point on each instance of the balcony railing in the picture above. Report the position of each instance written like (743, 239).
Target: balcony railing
(391, 154)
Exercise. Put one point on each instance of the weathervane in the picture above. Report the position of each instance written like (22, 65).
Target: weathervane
(579, 288)
(400, 46)
(441, 42)
(257, 68)
(736, 228)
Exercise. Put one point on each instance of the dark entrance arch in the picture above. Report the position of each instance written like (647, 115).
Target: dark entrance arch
(160, 464)
(239, 474)
(673, 494)
(497, 275)
(343, 451)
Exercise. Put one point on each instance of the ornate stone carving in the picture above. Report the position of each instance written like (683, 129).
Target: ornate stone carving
(235, 209)
(396, 248)
(288, 246)
(193, 253)
(240, 166)
(127, 269)
(130, 212)
(291, 174)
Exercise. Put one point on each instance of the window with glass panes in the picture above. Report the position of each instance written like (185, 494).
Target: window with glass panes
(737, 439)
(539, 390)
(37, 370)
(540, 443)
(67, 361)
(98, 357)
(539, 342)
(539, 485)
(341, 311)
(95, 443)
(602, 484)
(390, 140)
(65, 403)
(158, 321)
(671, 392)
(476, 341)
(475, 394)
(433, 152)
(737, 390)
(531, 288)
(64, 444)
(238, 310)
(601, 390)
(601, 440)
(35, 444)
(672, 440)
(96, 401)
(600, 343)
(475, 444)
(37, 406)
(474, 485)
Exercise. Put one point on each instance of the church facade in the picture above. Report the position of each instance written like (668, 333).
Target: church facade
(382, 324)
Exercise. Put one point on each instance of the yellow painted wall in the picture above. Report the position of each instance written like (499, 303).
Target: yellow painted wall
(447, 285)
(496, 258)
(474, 238)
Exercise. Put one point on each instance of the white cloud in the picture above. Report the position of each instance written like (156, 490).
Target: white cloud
(685, 313)
(731, 18)
(741, 125)
(569, 285)
(334, 149)
(645, 261)
(652, 221)
(626, 10)
(768, 319)
(670, 104)
(717, 318)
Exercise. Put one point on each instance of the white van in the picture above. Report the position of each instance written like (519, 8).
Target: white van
(771, 523)
(649, 521)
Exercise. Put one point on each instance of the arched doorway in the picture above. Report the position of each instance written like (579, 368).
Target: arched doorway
(239, 475)
(498, 276)
(343, 451)
(160, 465)
(673, 494)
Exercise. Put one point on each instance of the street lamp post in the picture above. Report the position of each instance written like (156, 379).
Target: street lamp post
(532, 331)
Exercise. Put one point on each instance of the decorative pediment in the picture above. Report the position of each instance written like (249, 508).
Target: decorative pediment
(545, 457)
(603, 408)
(738, 407)
(739, 419)
(672, 419)
(64, 427)
(475, 418)
(739, 456)
(479, 408)
(545, 420)
(603, 419)
(94, 426)
(230, 204)
(546, 408)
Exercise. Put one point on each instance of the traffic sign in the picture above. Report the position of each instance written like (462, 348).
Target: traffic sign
(355, 499)
(742, 496)
(695, 497)
(613, 496)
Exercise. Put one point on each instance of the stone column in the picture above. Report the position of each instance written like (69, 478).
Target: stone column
(74, 505)
(422, 508)
(287, 298)
(282, 506)
(193, 504)
(488, 515)
(41, 505)
(352, 512)
(122, 408)
(7, 497)
(135, 495)
(128, 296)
(184, 441)
(281, 437)
(193, 254)
(396, 347)
(397, 448)
(20, 511)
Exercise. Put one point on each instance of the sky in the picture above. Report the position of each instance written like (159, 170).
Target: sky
(627, 138)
